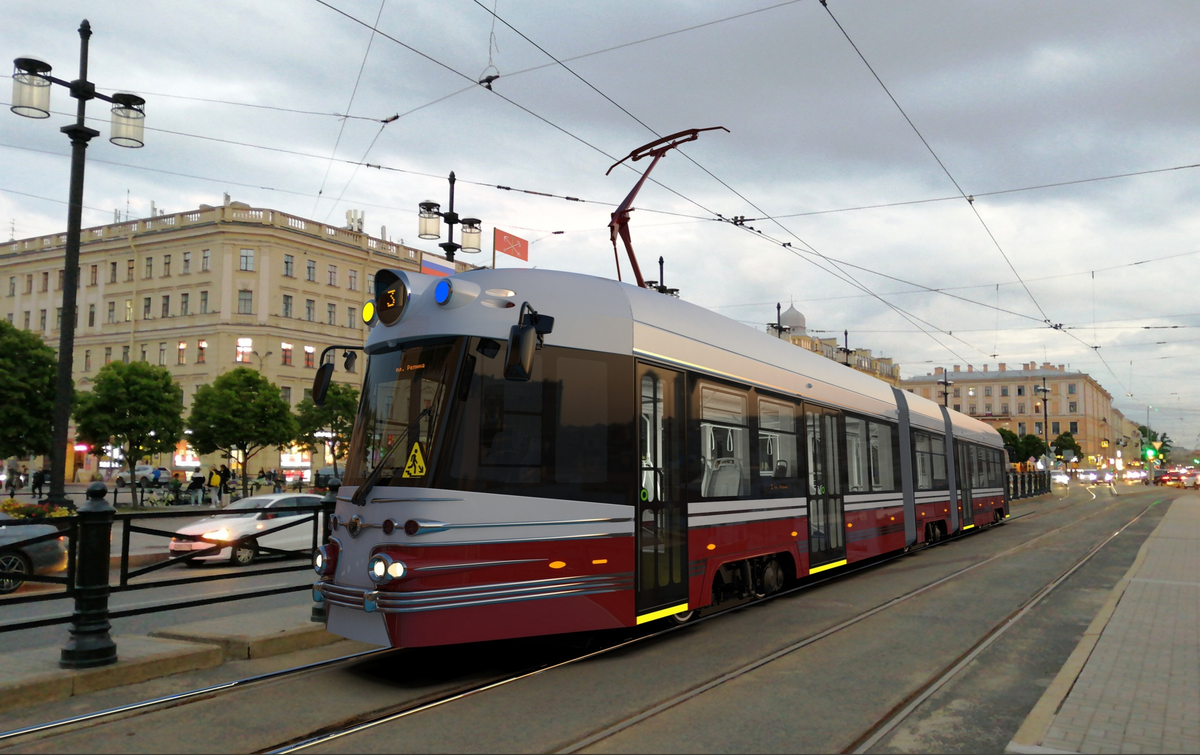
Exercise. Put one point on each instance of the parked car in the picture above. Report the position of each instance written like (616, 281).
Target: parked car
(145, 476)
(1190, 478)
(1171, 479)
(233, 522)
(45, 557)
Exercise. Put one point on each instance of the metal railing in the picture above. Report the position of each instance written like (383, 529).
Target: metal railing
(88, 576)
(1027, 484)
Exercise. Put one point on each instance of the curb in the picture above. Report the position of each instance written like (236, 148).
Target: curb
(247, 646)
(1029, 737)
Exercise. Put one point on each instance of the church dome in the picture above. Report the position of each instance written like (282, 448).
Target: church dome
(793, 319)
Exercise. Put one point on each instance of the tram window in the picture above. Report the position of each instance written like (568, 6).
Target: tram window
(778, 455)
(937, 445)
(977, 473)
(884, 455)
(724, 442)
(857, 455)
(924, 461)
(581, 440)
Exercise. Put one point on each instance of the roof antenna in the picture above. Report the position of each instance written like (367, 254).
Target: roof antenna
(620, 218)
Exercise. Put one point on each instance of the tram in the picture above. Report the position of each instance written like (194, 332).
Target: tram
(542, 452)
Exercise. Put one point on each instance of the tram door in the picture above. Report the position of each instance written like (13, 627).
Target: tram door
(662, 564)
(965, 457)
(826, 518)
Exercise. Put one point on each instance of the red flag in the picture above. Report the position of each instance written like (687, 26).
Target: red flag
(513, 246)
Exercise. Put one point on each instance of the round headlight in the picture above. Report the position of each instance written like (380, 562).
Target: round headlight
(442, 291)
(383, 568)
(395, 570)
(368, 314)
(325, 559)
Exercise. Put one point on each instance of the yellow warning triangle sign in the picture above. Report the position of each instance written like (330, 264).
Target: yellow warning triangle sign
(415, 466)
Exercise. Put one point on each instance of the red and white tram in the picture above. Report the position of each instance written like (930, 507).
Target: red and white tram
(623, 457)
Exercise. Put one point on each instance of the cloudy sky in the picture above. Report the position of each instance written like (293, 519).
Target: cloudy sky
(1038, 111)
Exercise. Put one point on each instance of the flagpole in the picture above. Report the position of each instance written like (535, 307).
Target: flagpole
(493, 248)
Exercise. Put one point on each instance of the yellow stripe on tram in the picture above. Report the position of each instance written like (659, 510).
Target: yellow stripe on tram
(663, 613)
(967, 527)
(825, 567)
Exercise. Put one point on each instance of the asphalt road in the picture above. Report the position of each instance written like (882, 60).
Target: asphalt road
(819, 698)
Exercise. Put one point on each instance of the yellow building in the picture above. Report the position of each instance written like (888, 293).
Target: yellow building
(1013, 400)
(202, 292)
(793, 327)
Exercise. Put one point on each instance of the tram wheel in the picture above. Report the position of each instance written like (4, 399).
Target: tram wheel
(679, 619)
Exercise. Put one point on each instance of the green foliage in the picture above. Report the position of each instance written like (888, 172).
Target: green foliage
(1163, 453)
(1067, 447)
(240, 414)
(1023, 447)
(136, 406)
(27, 372)
(335, 417)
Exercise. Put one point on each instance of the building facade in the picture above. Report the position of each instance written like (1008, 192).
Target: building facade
(1013, 400)
(200, 293)
(793, 327)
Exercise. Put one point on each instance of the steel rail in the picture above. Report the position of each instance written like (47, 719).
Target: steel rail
(181, 696)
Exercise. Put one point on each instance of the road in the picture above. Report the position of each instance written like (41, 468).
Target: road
(707, 687)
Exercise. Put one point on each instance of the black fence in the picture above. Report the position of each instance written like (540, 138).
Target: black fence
(1027, 484)
(81, 560)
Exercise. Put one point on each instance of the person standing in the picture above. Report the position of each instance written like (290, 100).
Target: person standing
(10, 482)
(224, 479)
(195, 488)
(214, 486)
(35, 488)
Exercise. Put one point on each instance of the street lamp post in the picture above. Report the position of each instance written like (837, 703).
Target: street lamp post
(945, 389)
(31, 99)
(1045, 393)
(430, 219)
(261, 358)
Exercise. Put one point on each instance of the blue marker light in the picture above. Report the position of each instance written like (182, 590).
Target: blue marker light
(442, 291)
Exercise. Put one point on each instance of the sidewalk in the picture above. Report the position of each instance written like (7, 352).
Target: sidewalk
(1133, 683)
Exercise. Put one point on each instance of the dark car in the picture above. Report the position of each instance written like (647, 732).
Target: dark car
(1169, 478)
(17, 558)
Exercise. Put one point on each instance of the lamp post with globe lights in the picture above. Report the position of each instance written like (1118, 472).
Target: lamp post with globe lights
(430, 219)
(31, 99)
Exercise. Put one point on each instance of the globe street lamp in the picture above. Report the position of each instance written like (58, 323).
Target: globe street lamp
(429, 219)
(31, 99)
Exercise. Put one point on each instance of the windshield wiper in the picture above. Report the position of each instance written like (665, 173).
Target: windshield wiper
(360, 495)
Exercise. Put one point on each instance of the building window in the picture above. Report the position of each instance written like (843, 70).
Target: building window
(245, 302)
(91, 315)
(12, 286)
(987, 391)
(166, 266)
(371, 284)
(312, 270)
(289, 265)
(308, 393)
(61, 275)
(287, 306)
(27, 319)
(201, 347)
(129, 270)
(187, 263)
(45, 282)
(162, 354)
(42, 320)
(87, 360)
(149, 271)
(107, 354)
(144, 359)
(58, 318)
(1054, 429)
(987, 409)
(146, 308)
(125, 353)
(958, 393)
(332, 275)
(1004, 409)
(129, 310)
(1037, 428)
(285, 392)
(352, 280)
(244, 347)
(181, 353)
(1074, 428)
(285, 353)
(203, 302)
(1020, 390)
(1072, 407)
(351, 315)
(958, 407)
(1020, 407)
(112, 272)
(309, 356)
(1021, 429)
(310, 309)
(166, 305)
(1003, 390)
(246, 260)
(93, 275)
(331, 311)
(183, 304)
(205, 259)
(112, 312)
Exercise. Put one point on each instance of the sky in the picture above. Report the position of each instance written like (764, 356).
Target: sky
(949, 182)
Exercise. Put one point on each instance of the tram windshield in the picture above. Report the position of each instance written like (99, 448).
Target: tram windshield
(403, 386)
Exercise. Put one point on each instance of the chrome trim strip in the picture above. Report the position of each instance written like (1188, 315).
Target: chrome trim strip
(548, 582)
(628, 533)
(383, 607)
(424, 525)
(410, 500)
(415, 599)
(772, 510)
(757, 504)
(476, 564)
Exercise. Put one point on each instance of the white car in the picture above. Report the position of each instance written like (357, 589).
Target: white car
(145, 476)
(233, 523)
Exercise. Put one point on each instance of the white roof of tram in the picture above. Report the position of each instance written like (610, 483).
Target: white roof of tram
(599, 314)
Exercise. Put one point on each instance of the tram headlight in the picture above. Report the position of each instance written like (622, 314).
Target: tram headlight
(443, 291)
(325, 559)
(383, 568)
(370, 314)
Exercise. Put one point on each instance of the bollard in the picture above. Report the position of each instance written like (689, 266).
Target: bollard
(89, 644)
(327, 505)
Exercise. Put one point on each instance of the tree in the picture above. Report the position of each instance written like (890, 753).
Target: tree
(240, 414)
(1067, 447)
(1013, 441)
(136, 407)
(334, 421)
(1032, 446)
(27, 372)
(1150, 436)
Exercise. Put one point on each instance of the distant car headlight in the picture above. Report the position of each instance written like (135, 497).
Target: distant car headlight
(383, 568)
(221, 534)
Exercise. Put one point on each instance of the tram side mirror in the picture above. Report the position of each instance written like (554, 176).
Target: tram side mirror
(522, 343)
(321, 383)
(348, 360)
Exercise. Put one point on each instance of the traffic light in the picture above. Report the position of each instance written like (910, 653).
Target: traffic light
(1150, 453)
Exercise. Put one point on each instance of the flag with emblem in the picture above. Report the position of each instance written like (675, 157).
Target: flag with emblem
(506, 243)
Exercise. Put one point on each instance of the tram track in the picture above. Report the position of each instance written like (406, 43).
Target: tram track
(388, 714)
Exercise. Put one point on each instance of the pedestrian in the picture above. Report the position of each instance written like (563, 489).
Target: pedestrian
(176, 486)
(35, 489)
(157, 475)
(10, 482)
(196, 488)
(224, 479)
(24, 476)
(279, 480)
(214, 486)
